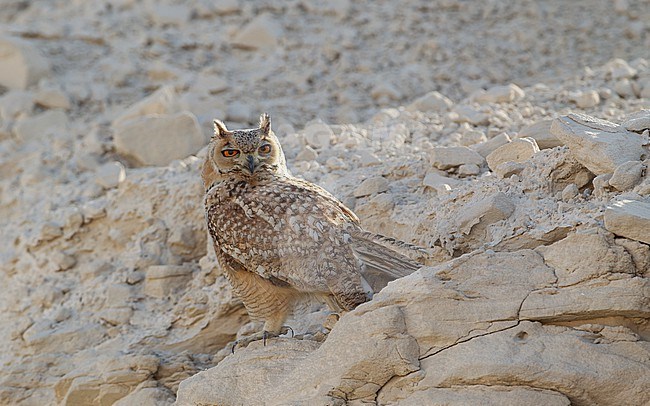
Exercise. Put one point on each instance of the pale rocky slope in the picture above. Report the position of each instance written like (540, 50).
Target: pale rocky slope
(536, 286)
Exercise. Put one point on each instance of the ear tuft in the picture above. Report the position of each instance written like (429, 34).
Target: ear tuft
(265, 123)
(220, 129)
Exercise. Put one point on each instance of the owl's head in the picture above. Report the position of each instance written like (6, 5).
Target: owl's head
(251, 154)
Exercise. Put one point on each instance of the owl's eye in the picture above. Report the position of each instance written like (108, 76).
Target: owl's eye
(265, 149)
(229, 153)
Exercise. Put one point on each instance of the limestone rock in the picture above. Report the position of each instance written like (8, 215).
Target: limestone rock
(450, 157)
(52, 98)
(541, 133)
(438, 182)
(468, 114)
(599, 145)
(519, 150)
(627, 175)
(586, 99)
(486, 147)
(432, 101)
(630, 219)
(370, 186)
(21, 65)
(477, 216)
(159, 139)
(499, 94)
(637, 122)
(318, 134)
(161, 280)
(162, 101)
(110, 175)
(48, 123)
(263, 32)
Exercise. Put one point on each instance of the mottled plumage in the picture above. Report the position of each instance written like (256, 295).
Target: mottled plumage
(280, 239)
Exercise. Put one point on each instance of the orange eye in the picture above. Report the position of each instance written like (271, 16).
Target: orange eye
(265, 149)
(229, 153)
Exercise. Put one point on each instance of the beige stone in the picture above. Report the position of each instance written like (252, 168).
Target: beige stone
(599, 145)
(318, 134)
(52, 98)
(46, 124)
(159, 139)
(541, 133)
(630, 219)
(450, 157)
(485, 148)
(21, 64)
(162, 280)
(110, 174)
(627, 175)
(260, 33)
(162, 101)
(499, 94)
(370, 186)
(519, 150)
(432, 101)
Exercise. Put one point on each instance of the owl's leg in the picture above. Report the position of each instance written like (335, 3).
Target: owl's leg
(273, 327)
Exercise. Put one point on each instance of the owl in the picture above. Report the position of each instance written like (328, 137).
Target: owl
(281, 240)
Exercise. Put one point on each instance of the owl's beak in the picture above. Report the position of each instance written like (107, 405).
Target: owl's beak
(252, 165)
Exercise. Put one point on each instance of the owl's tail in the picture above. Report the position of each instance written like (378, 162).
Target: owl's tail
(381, 258)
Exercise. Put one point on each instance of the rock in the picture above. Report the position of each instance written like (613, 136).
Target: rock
(570, 192)
(370, 186)
(599, 145)
(62, 260)
(38, 128)
(21, 65)
(318, 134)
(159, 139)
(625, 89)
(14, 103)
(52, 98)
(637, 122)
(627, 175)
(519, 150)
(499, 94)
(640, 254)
(508, 169)
(432, 101)
(619, 69)
(451, 157)
(468, 170)
(584, 256)
(162, 280)
(110, 175)
(441, 184)
(263, 32)
(541, 133)
(467, 114)
(239, 112)
(630, 219)
(385, 92)
(485, 148)
(307, 154)
(367, 158)
(147, 396)
(601, 184)
(162, 101)
(485, 395)
(585, 99)
(478, 216)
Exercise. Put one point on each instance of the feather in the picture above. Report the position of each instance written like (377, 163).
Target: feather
(380, 263)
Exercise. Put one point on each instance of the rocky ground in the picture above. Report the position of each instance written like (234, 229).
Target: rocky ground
(509, 138)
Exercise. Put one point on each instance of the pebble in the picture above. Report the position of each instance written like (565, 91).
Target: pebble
(519, 150)
(586, 99)
(110, 175)
(21, 64)
(499, 94)
(570, 192)
(450, 157)
(541, 133)
(627, 175)
(307, 154)
(485, 148)
(52, 99)
(432, 101)
(318, 134)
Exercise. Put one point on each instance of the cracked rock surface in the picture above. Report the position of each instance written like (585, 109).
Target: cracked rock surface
(509, 138)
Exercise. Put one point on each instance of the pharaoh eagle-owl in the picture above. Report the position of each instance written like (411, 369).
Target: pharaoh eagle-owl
(280, 239)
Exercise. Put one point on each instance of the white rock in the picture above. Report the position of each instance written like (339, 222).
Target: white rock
(432, 101)
(519, 150)
(441, 184)
(499, 94)
(385, 92)
(52, 99)
(51, 122)
(110, 175)
(467, 114)
(625, 89)
(14, 103)
(21, 65)
(162, 101)
(508, 169)
(619, 69)
(541, 133)
(370, 186)
(585, 99)
(468, 170)
(307, 154)
(263, 32)
(569, 192)
(637, 122)
(334, 163)
(162, 280)
(62, 260)
(599, 145)
(318, 134)
(450, 157)
(601, 184)
(368, 158)
(485, 148)
(630, 219)
(159, 139)
(627, 175)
